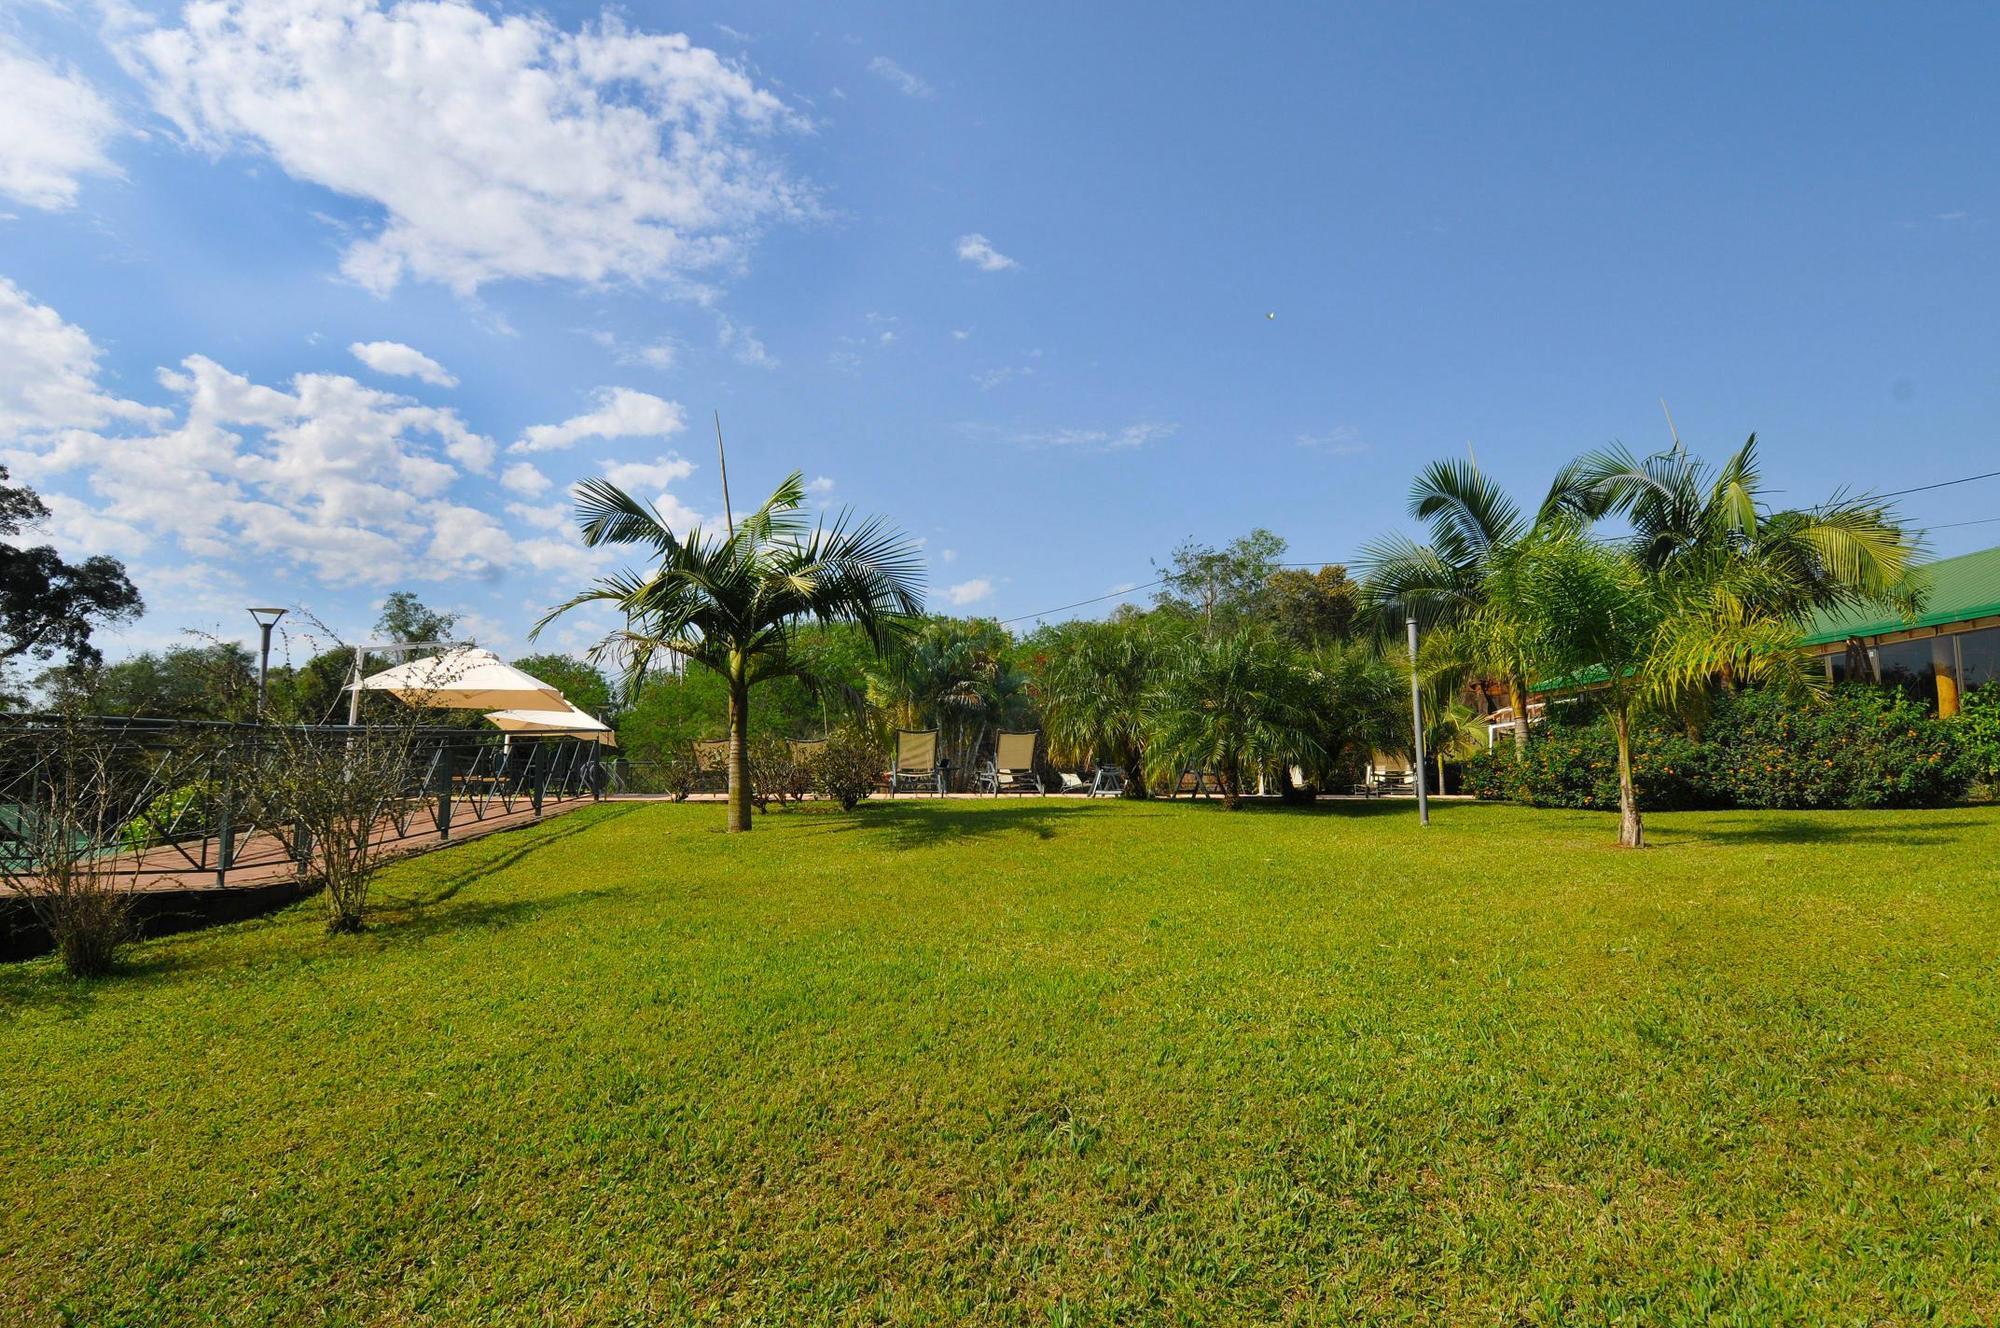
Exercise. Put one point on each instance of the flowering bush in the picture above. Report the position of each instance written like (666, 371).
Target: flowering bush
(1858, 747)
(1978, 726)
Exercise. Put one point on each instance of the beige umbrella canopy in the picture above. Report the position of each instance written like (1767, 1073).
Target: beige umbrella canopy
(573, 723)
(466, 679)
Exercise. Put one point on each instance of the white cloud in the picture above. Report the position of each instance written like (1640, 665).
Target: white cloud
(1130, 436)
(48, 372)
(524, 479)
(491, 147)
(630, 475)
(960, 333)
(1341, 440)
(819, 485)
(53, 130)
(742, 342)
(949, 555)
(334, 478)
(393, 357)
(969, 592)
(899, 78)
(621, 413)
(977, 250)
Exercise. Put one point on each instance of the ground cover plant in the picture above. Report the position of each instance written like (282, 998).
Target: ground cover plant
(1044, 1063)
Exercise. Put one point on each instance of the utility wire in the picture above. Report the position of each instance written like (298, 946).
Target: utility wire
(1158, 581)
(1941, 484)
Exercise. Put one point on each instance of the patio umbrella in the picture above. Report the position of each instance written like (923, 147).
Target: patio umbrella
(572, 723)
(466, 679)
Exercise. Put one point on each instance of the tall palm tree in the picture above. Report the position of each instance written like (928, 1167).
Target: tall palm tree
(732, 603)
(1446, 585)
(1091, 683)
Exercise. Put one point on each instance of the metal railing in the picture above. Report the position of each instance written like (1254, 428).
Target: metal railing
(202, 799)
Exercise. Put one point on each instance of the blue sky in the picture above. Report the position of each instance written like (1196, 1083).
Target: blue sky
(1000, 273)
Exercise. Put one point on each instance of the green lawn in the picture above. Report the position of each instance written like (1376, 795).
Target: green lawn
(1046, 1064)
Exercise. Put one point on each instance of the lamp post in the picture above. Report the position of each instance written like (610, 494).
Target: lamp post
(266, 619)
(1417, 728)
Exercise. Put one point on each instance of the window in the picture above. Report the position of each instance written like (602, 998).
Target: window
(1907, 665)
(1978, 657)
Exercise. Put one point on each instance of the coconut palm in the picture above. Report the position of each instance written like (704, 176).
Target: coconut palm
(1446, 584)
(732, 603)
(1235, 705)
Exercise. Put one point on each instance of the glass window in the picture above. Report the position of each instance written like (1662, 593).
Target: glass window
(1978, 657)
(1907, 665)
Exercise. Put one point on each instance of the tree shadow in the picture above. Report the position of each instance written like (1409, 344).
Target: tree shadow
(1813, 829)
(920, 823)
(471, 867)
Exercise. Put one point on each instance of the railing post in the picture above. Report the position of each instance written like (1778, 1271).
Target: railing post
(536, 776)
(443, 769)
(225, 838)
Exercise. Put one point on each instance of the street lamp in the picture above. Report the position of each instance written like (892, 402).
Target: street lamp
(266, 620)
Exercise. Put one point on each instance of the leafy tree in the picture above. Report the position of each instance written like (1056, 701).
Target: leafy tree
(1312, 609)
(956, 675)
(407, 618)
(734, 604)
(1234, 706)
(1091, 682)
(1224, 588)
(48, 605)
(214, 681)
(583, 683)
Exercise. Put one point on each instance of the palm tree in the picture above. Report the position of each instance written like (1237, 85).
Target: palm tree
(1446, 584)
(1360, 702)
(1091, 683)
(1234, 705)
(1451, 727)
(1713, 527)
(732, 604)
(952, 674)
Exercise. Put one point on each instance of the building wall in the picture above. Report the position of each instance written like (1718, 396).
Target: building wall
(1935, 664)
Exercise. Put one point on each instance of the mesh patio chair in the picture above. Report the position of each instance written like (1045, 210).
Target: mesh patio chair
(711, 764)
(1012, 768)
(917, 762)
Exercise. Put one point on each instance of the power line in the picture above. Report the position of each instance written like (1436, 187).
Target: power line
(1941, 484)
(1954, 525)
(1159, 581)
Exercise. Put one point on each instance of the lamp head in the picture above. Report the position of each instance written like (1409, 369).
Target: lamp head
(265, 616)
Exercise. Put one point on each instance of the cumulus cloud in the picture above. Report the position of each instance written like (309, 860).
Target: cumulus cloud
(394, 358)
(969, 592)
(742, 342)
(48, 371)
(524, 479)
(621, 413)
(347, 483)
(819, 486)
(899, 78)
(490, 147)
(630, 475)
(977, 250)
(54, 127)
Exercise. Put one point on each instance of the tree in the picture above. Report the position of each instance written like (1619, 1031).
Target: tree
(1360, 707)
(1446, 583)
(213, 681)
(407, 618)
(1233, 706)
(48, 605)
(1221, 588)
(734, 604)
(1312, 609)
(955, 675)
(1091, 681)
(584, 684)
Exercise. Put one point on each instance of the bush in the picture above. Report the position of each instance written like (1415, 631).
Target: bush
(845, 770)
(1858, 747)
(775, 775)
(1978, 726)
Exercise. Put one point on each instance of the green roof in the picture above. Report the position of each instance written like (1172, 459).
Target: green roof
(1955, 590)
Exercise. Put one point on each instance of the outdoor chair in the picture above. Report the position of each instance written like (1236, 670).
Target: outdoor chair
(1073, 783)
(711, 765)
(917, 765)
(1013, 765)
(1108, 782)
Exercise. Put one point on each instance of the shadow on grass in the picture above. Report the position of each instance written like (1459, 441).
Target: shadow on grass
(917, 823)
(513, 846)
(1814, 828)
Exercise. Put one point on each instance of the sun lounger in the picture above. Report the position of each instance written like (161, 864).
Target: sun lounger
(1013, 765)
(917, 762)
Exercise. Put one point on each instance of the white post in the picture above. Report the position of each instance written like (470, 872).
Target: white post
(1417, 729)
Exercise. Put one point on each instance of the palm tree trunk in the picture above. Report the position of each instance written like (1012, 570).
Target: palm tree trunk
(1631, 832)
(1440, 787)
(739, 755)
(1517, 697)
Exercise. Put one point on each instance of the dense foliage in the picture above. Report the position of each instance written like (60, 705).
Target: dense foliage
(1857, 747)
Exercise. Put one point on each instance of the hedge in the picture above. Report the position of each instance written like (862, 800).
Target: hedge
(1859, 746)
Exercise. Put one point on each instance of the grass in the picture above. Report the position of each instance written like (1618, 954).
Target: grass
(1045, 1063)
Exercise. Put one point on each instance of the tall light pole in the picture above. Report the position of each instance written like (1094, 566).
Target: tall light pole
(266, 620)
(1417, 728)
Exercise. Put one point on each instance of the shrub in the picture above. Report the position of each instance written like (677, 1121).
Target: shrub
(775, 775)
(1858, 747)
(845, 770)
(1978, 726)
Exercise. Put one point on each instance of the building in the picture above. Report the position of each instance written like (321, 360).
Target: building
(1949, 648)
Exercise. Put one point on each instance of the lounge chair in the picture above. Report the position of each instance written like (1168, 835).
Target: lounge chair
(711, 764)
(1012, 766)
(917, 762)
(1108, 782)
(1073, 783)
